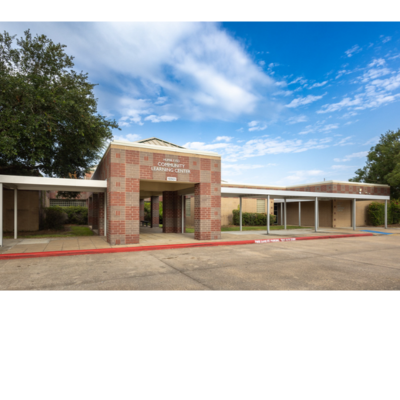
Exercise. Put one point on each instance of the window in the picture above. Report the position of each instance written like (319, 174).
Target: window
(260, 205)
(67, 203)
(188, 207)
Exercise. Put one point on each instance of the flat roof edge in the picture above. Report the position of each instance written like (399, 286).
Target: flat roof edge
(167, 149)
(340, 182)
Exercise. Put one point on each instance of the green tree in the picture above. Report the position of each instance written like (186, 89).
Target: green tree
(383, 164)
(49, 123)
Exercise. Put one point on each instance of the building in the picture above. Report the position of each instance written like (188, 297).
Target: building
(189, 184)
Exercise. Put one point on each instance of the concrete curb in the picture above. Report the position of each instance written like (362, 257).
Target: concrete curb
(15, 256)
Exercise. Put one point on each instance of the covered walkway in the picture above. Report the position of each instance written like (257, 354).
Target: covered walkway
(293, 196)
(16, 183)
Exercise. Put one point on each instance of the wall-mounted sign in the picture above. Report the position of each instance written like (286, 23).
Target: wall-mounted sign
(169, 165)
(171, 178)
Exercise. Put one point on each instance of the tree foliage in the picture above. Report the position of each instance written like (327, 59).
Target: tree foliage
(383, 164)
(48, 113)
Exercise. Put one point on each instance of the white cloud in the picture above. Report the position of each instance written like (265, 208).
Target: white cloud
(223, 138)
(377, 62)
(193, 70)
(130, 137)
(262, 63)
(344, 142)
(329, 127)
(301, 176)
(296, 120)
(237, 169)
(351, 156)
(315, 85)
(256, 126)
(372, 141)
(161, 118)
(161, 100)
(346, 102)
(354, 50)
(343, 167)
(319, 127)
(351, 122)
(260, 147)
(386, 39)
(300, 80)
(300, 101)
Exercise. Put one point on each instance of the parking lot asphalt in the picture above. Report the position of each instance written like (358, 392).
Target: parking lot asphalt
(359, 263)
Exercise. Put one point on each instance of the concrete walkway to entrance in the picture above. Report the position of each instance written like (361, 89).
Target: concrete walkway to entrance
(155, 237)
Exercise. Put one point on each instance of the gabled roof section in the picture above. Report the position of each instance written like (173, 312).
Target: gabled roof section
(158, 142)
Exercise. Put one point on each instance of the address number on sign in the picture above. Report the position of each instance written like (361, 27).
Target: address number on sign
(171, 178)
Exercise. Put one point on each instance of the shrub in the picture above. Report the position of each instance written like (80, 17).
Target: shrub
(147, 211)
(55, 218)
(252, 219)
(376, 213)
(76, 215)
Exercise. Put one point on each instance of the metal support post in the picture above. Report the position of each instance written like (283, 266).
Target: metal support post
(316, 214)
(240, 213)
(183, 214)
(281, 218)
(354, 222)
(285, 215)
(105, 214)
(386, 213)
(15, 213)
(268, 212)
(1, 215)
(299, 213)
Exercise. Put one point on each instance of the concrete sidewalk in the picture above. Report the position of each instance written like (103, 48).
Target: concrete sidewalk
(155, 237)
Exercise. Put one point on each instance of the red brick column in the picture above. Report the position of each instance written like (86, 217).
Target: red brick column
(168, 212)
(172, 212)
(142, 209)
(101, 213)
(95, 217)
(123, 198)
(155, 212)
(207, 211)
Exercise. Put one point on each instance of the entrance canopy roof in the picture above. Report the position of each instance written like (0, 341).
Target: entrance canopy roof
(296, 194)
(62, 184)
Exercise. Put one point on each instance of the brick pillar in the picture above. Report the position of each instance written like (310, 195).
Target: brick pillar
(155, 212)
(90, 211)
(142, 209)
(172, 212)
(101, 213)
(178, 213)
(168, 212)
(207, 211)
(95, 217)
(132, 211)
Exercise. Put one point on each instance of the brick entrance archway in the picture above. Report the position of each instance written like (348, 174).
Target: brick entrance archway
(135, 171)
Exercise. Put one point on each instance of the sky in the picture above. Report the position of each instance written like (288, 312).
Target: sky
(282, 103)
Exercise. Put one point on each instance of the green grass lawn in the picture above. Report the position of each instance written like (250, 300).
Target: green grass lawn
(75, 230)
(252, 228)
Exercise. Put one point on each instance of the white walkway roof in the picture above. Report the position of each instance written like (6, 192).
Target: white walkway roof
(296, 194)
(42, 183)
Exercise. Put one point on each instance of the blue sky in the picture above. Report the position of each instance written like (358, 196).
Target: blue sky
(283, 103)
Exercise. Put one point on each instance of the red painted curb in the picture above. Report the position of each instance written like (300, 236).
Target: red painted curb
(15, 256)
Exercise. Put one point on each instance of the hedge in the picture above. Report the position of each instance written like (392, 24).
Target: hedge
(376, 213)
(252, 219)
(73, 215)
(55, 218)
